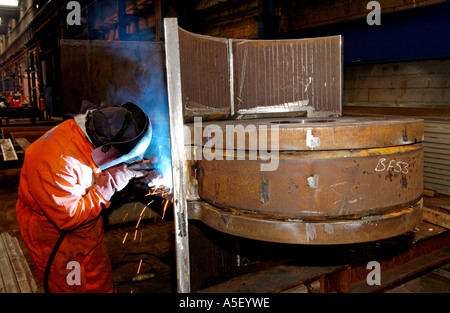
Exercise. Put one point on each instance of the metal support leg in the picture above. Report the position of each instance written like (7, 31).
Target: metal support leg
(177, 151)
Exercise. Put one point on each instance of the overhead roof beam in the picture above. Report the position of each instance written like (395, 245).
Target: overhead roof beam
(7, 12)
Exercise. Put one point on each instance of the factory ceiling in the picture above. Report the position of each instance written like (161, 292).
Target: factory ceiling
(7, 12)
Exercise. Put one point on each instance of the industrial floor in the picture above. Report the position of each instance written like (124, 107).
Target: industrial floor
(151, 251)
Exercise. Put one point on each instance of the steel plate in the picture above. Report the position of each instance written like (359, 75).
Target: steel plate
(296, 133)
(309, 232)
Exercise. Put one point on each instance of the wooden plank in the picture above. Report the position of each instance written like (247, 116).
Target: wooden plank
(7, 130)
(438, 203)
(2, 284)
(404, 271)
(429, 192)
(276, 279)
(8, 152)
(22, 271)
(7, 272)
(436, 217)
(30, 277)
(433, 282)
(289, 277)
(442, 272)
(16, 264)
(424, 240)
(31, 136)
(23, 143)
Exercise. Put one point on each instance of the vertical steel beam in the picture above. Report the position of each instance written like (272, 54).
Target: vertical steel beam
(177, 152)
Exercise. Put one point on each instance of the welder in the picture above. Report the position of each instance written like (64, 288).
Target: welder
(68, 177)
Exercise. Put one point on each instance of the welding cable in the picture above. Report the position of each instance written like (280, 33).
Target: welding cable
(50, 260)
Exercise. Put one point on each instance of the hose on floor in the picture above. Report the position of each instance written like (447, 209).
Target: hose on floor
(50, 260)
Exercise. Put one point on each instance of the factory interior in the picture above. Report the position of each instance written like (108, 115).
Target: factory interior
(351, 196)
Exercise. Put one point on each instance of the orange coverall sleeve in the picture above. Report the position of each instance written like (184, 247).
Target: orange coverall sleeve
(65, 195)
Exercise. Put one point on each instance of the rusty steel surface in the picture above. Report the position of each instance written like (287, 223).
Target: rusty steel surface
(309, 232)
(232, 78)
(204, 76)
(360, 173)
(288, 73)
(317, 184)
(331, 133)
(334, 179)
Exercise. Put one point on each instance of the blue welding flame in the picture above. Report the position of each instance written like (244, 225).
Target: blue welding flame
(152, 98)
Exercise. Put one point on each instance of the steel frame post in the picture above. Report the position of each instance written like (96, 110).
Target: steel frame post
(179, 176)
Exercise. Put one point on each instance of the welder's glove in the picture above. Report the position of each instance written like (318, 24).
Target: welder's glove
(115, 179)
(150, 178)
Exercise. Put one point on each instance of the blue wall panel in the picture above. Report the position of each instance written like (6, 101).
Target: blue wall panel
(419, 33)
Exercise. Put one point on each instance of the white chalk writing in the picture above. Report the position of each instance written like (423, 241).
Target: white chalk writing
(396, 166)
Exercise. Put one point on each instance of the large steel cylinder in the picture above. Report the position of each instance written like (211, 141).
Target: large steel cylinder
(320, 181)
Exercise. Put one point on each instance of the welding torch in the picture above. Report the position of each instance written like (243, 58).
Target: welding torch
(150, 168)
(148, 182)
(142, 166)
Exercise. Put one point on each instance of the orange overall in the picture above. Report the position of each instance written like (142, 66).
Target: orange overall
(56, 194)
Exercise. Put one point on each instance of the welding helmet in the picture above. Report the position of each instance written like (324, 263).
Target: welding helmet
(119, 134)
